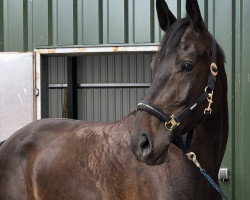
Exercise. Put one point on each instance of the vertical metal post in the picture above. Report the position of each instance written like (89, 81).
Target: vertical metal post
(44, 87)
(72, 87)
(1, 27)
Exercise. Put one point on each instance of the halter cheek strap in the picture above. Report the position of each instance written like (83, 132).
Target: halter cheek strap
(172, 122)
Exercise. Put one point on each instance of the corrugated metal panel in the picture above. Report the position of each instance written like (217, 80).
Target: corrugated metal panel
(63, 17)
(13, 16)
(39, 24)
(115, 68)
(28, 24)
(110, 104)
(70, 22)
(89, 21)
(101, 103)
(242, 99)
(57, 74)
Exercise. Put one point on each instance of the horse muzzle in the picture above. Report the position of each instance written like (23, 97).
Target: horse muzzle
(144, 150)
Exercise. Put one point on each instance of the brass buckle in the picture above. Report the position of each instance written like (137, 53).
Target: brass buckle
(210, 101)
(172, 123)
(211, 69)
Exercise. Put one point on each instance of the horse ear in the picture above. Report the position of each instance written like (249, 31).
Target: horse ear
(165, 16)
(194, 13)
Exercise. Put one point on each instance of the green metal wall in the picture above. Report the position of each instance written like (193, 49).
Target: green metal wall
(228, 20)
(27, 24)
(241, 120)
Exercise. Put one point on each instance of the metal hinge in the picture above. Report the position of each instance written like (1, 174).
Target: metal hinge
(36, 92)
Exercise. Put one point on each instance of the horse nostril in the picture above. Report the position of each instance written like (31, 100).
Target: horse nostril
(145, 145)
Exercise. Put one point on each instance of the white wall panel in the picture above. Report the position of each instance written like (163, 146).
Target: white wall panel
(16, 92)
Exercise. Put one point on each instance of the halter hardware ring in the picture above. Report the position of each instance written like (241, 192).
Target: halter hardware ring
(214, 69)
(212, 92)
(172, 123)
(210, 101)
(191, 156)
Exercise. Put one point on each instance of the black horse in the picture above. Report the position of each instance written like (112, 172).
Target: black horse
(64, 159)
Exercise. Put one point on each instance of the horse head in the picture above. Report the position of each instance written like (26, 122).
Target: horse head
(181, 69)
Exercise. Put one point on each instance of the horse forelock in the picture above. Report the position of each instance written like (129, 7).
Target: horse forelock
(173, 35)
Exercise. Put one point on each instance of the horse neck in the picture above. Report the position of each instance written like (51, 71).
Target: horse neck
(208, 143)
(211, 136)
(209, 146)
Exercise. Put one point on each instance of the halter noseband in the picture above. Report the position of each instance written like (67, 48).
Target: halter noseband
(172, 122)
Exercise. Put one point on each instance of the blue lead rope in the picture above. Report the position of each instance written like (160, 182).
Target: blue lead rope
(191, 156)
(203, 171)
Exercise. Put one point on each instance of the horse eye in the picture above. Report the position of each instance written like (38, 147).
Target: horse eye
(187, 66)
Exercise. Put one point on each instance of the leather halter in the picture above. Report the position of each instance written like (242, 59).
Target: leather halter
(172, 122)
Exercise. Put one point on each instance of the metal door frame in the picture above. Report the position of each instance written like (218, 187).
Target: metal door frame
(41, 61)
